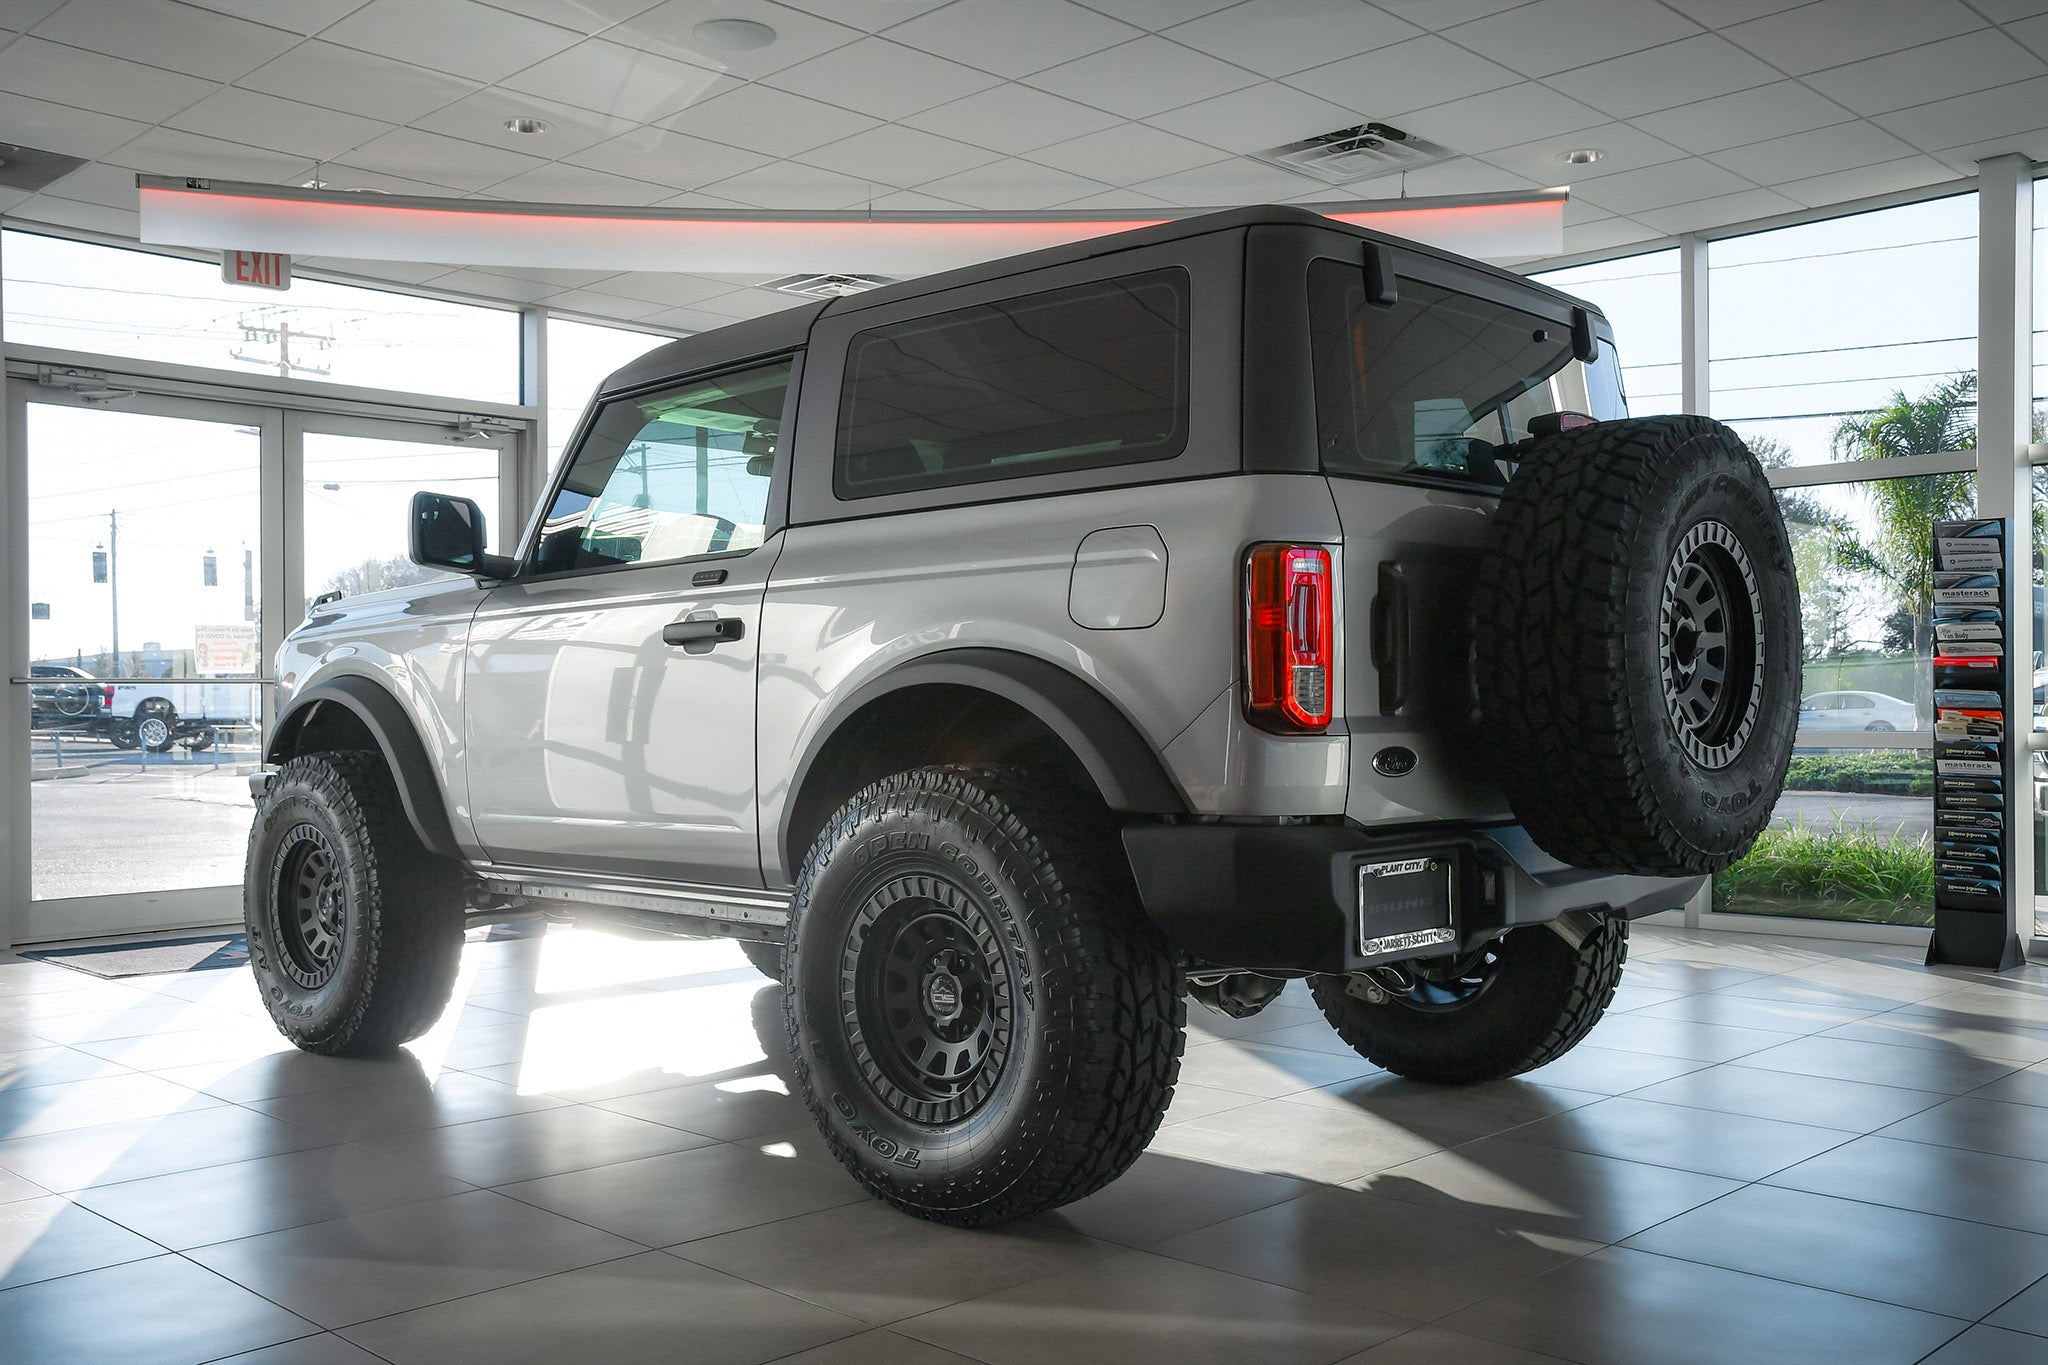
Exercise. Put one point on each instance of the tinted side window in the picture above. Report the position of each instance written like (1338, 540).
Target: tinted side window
(1072, 378)
(1434, 383)
(670, 475)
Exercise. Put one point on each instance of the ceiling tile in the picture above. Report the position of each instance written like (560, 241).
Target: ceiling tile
(1730, 120)
(1887, 177)
(878, 77)
(1137, 203)
(97, 182)
(764, 119)
(1579, 211)
(1673, 182)
(1266, 115)
(1719, 14)
(1014, 186)
(1557, 35)
(670, 29)
(869, 16)
(684, 320)
(668, 158)
(1424, 71)
(404, 272)
(441, 160)
(60, 212)
(1153, 15)
(554, 278)
(1501, 118)
(481, 118)
(1143, 77)
(236, 115)
(1804, 155)
(1122, 155)
(25, 14)
(752, 303)
(1012, 39)
(584, 16)
(1281, 37)
(176, 37)
(1622, 147)
(463, 37)
(669, 289)
(1963, 160)
(787, 185)
(614, 79)
(60, 128)
(166, 151)
(1465, 175)
(2033, 33)
(1436, 15)
(340, 175)
(897, 155)
(601, 305)
(1740, 207)
(1832, 32)
(917, 201)
(296, 16)
(1683, 72)
(1608, 232)
(1012, 118)
(1929, 72)
(495, 286)
(576, 185)
(1227, 184)
(1971, 118)
(357, 82)
(91, 80)
(2007, 11)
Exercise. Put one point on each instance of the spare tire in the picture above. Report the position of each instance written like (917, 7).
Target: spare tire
(1638, 646)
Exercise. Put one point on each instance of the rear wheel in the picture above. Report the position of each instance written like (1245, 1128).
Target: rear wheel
(1524, 999)
(155, 726)
(354, 926)
(982, 1021)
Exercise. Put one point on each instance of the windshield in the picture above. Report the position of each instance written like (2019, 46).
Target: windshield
(1436, 383)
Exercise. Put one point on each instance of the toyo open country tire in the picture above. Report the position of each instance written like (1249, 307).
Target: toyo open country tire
(981, 1019)
(354, 928)
(1637, 622)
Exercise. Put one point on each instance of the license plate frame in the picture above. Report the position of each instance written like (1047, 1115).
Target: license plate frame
(1407, 905)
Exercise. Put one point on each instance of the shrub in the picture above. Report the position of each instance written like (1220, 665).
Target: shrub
(1888, 772)
(1844, 873)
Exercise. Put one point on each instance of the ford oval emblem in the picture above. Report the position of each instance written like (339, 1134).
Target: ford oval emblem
(1395, 761)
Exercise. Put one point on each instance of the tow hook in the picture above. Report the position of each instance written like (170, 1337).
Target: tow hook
(1377, 985)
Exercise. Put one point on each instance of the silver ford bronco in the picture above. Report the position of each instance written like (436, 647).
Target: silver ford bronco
(1005, 656)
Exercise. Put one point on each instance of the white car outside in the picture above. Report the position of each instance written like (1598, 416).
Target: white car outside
(1856, 711)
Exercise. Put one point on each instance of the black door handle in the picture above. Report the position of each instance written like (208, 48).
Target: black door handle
(708, 630)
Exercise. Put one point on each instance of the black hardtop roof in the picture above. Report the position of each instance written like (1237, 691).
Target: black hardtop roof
(790, 328)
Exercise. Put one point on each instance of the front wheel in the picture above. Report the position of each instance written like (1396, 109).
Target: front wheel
(354, 926)
(982, 1020)
(1524, 999)
(155, 726)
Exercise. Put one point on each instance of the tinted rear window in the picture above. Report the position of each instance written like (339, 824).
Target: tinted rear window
(1068, 379)
(1433, 384)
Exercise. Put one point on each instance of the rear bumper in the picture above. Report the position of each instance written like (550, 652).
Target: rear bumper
(1284, 897)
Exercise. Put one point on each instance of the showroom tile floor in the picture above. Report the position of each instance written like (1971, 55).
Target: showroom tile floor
(1773, 1150)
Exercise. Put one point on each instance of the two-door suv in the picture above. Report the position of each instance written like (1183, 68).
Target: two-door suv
(1004, 656)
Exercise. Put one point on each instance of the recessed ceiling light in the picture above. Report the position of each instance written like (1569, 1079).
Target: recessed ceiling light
(734, 35)
(525, 125)
(1581, 156)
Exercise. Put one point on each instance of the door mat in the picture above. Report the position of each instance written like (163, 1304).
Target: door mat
(211, 952)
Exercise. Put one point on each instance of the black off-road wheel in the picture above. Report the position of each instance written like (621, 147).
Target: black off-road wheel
(1638, 641)
(981, 1019)
(354, 926)
(1523, 1000)
(765, 957)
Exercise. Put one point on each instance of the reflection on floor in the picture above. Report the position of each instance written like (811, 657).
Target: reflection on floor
(1774, 1150)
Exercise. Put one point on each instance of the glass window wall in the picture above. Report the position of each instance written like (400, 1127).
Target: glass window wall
(1639, 296)
(581, 355)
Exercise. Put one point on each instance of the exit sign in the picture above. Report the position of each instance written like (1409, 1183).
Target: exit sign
(262, 269)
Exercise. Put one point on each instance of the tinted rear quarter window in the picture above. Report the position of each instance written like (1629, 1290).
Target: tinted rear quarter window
(1076, 378)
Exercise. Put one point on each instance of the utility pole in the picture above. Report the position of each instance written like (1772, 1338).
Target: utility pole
(281, 336)
(114, 582)
(248, 584)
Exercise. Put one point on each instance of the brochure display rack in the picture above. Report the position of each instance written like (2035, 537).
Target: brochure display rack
(1976, 768)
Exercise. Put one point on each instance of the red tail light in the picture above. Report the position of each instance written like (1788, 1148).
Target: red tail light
(108, 695)
(1289, 622)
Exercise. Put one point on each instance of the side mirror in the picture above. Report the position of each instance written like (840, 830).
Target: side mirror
(448, 533)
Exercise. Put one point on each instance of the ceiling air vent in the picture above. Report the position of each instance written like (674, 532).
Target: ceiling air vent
(827, 286)
(28, 168)
(1359, 152)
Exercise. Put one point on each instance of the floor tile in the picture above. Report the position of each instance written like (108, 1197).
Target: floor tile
(1734, 1088)
(1437, 1346)
(1914, 1068)
(879, 1347)
(110, 1153)
(241, 1042)
(1621, 1307)
(325, 1349)
(546, 1142)
(1981, 1125)
(2020, 1087)
(1989, 1040)
(1684, 976)
(82, 1104)
(1686, 1039)
(663, 1200)
(1162, 1196)
(741, 1107)
(1705, 1140)
(140, 1021)
(52, 1065)
(1470, 1110)
(1607, 1071)
(1411, 1261)
(1310, 1035)
(1139, 1309)
(220, 1203)
(1990, 1346)
(43, 1238)
(376, 1264)
(1948, 1181)
(2026, 1311)
(1307, 1141)
(644, 1310)
(1959, 1269)
(1267, 1072)
(13, 1187)
(362, 1112)
(165, 1311)
(291, 1072)
(1200, 1101)
(1548, 1190)
(905, 1266)
(1741, 1011)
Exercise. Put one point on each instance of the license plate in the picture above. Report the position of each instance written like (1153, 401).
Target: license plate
(1404, 905)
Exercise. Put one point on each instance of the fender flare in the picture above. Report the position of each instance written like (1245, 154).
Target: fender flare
(419, 790)
(1117, 757)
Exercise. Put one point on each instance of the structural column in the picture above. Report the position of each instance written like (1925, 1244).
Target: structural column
(1695, 389)
(14, 701)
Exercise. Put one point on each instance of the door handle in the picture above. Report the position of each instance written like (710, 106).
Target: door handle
(706, 630)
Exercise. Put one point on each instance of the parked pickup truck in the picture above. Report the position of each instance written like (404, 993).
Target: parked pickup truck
(155, 713)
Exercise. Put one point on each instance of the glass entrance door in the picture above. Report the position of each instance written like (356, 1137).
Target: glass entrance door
(145, 641)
